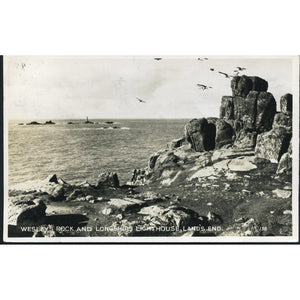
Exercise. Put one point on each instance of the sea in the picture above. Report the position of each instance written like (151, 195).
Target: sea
(77, 152)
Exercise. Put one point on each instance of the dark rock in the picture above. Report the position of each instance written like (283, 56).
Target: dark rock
(266, 109)
(259, 84)
(152, 161)
(286, 103)
(283, 120)
(224, 134)
(27, 213)
(241, 85)
(238, 108)
(226, 108)
(33, 123)
(272, 144)
(245, 139)
(249, 110)
(200, 134)
(138, 176)
(108, 179)
(52, 178)
(49, 123)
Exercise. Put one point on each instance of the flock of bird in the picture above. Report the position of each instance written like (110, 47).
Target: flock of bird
(204, 87)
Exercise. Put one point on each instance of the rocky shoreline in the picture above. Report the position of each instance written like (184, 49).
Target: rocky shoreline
(227, 176)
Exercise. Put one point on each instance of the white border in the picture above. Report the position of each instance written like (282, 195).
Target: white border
(270, 239)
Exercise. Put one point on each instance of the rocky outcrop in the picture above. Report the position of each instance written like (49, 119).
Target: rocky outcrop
(286, 104)
(108, 179)
(285, 164)
(283, 120)
(176, 143)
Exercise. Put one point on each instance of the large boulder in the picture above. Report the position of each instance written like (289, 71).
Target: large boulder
(266, 109)
(226, 108)
(272, 144)
(224, 134)
(248, 110)
(200, 134)
(285, 164)
(241, 85)
(286, 103)
(108, 179)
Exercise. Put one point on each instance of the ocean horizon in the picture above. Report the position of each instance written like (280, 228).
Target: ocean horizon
(79, 151)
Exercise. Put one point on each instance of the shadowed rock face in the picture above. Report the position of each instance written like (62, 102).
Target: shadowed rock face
(266, 109)
(200, 134)
(108, 179)
(224, 134)
(226, 108)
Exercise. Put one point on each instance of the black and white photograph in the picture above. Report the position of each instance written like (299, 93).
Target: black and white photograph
(151, 149)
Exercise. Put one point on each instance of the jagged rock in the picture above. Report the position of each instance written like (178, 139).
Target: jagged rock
(108, 179)
(266, 109)
(26, 212)
(176, 143)
(283, 120)
(285, 164)
(249, 110)
(52, 178)
(238, 108)
(286, 104)
(138, 177)
(224, 133)
(245, 139)
(241, 85)
(226, 108)
(200, 134)
(272, 144)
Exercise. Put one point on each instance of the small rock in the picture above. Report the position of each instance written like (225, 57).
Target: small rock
(107, 211)
(287, 212)
(288, 187)
(89, 198)
(282, 193)
(209, 204)
(227, 187)
(100, 198)
(119, 216)
(246, 192)
(212, 177)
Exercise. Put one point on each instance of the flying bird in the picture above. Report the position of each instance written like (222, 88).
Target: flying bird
(212, 69)
(23, 66)
(157, 58)
(203, 87)
(141, 100)
(225, 74)
(202, 59)
(240, 68)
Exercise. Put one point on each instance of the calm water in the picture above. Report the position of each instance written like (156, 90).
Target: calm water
(81, 152)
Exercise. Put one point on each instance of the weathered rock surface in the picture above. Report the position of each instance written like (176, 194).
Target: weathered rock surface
(108, 179)
(241, 85)
(283, 120)
(245, 139)
(226, 108)
(272, 144)
(286, 104)
(176, 143)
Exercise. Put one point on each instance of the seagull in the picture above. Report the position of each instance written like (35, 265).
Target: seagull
(140, 100)
(212, 69)
(225, 74)
(157, 58)
(202, 59)
(23, 66)
(241, 69)
(236, 72)
(203, 87)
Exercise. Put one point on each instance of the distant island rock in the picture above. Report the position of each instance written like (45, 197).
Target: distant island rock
(33, 123)
(109, 122)
(49, 123)
(70, 123)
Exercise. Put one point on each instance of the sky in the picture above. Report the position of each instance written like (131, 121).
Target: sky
(102, 87)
